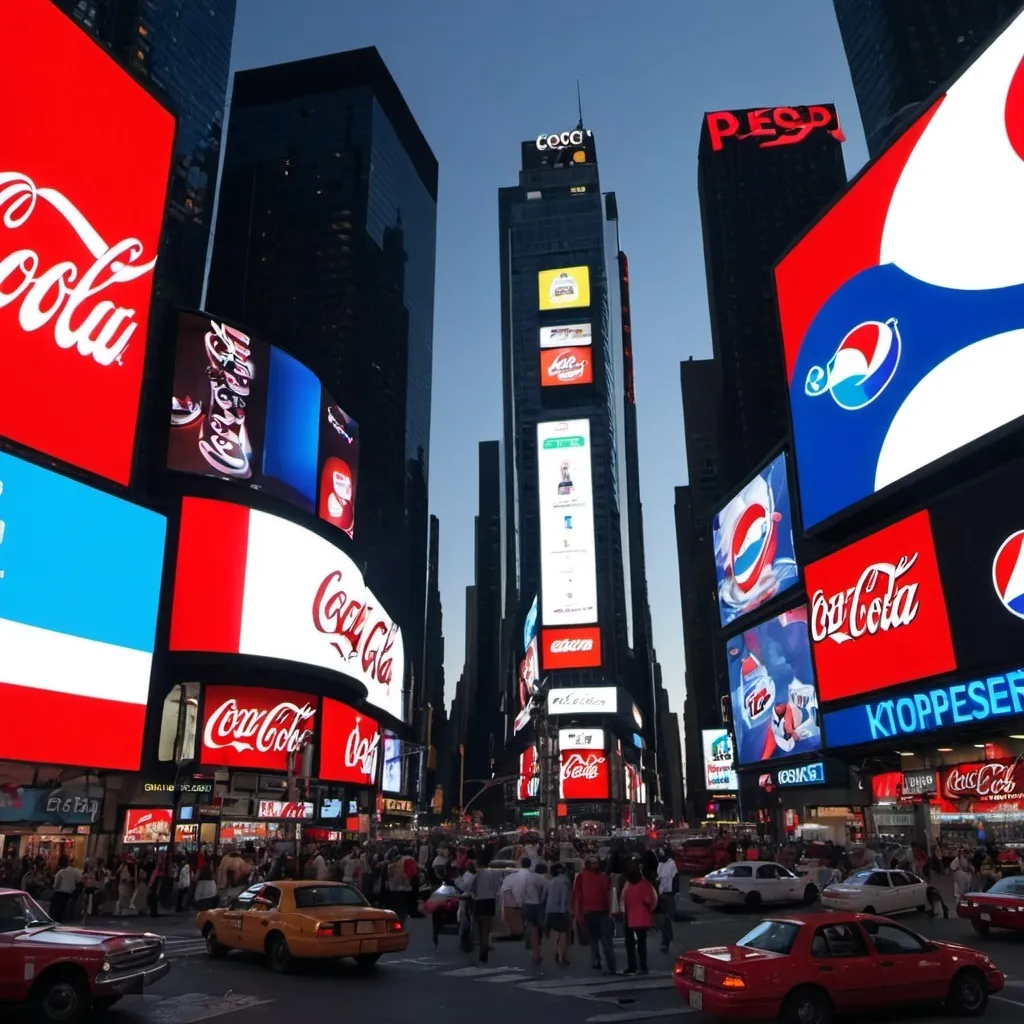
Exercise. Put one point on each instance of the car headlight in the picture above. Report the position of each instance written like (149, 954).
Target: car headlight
(106, 965)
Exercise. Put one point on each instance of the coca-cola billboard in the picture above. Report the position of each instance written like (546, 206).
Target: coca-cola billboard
(244, 410)
(877, 612)
(244, 727)
(528, 784)
(350, 744)
(987, 781)
(584, 775)
(561, 366)
(83, 186)
(571, 648)
(247, 582)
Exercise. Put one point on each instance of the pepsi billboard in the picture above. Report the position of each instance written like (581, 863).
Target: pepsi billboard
(772, 690)
(903, 329)
(753, 538)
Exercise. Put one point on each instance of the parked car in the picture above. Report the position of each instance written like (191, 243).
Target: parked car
(875, 891)
(1002, 906)
(805, 967)
(751, 883)
(696, 856)
(302, 920)
(63, 972)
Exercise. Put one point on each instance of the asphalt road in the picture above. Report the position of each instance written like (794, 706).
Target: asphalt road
(424, 985)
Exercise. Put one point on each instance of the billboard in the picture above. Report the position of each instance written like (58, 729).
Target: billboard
(83, 186)
(530, 624)
(147, 825)
(770, 127)
(529, 774)
(391, 775)
(251, 583)
(877, 612)
(562, 366)
(566, 497)
(244, 410)
(581, 739)
(349, 745)
(753, 538)
(719, 761)
(571, 648)
(565, 288)
(529, 673)
(80, 575)
(583, 700)
(584, 775)
(771, 683)
(892, 316)
(566, 336)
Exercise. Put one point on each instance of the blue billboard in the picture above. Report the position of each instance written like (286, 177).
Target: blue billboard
(753, 538)
(530, 625)
(927, 709)
(771, 684)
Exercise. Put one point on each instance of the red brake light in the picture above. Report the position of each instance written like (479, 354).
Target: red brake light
(396, 925)
(681, 968)
(324, 931)
(733, 981)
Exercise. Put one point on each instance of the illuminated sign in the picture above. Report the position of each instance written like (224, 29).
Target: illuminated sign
(391, 805)
(560, 141)
(571, 648)
(926, 710)
(563, 288)
(719, 760)
(919, 783)
(803, 775)
(561, 366)
(566, 336)
(588, 700)
(774, 126)
(581, 739)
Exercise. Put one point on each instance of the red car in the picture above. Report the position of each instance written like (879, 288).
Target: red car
(806, 967)
(61, 972)
(1002, 906)
(695, 857)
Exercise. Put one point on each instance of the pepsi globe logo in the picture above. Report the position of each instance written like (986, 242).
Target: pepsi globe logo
(863, 364)
(1008, 574)
(753, 545)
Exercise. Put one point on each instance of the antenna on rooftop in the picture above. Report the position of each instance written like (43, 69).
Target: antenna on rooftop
(579, 104)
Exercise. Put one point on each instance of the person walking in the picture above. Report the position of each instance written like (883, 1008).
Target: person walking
(534, 899)
(182, 885)
(485, 900)
(591, 905)
(65, 882)
(639, 901)
(667, 872)
(125, 890)
(557, 919)
(963, 875)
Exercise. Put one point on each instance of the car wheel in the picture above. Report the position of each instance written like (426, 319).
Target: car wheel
(214, 949)
(752, 900)
(105, 1002)
(810, 895)
(868, 910)
(981, 927)
(279, 953)
(61, 998)
(366, 960)
(807, 1006)
(968, 994)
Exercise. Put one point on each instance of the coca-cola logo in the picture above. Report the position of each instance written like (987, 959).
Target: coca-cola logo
(223, 438)
(365, 634)
(566, 367)
(361, 751)
(285, 728)
(582, 766)
(988, 781)
(570, 646)
(881, 600)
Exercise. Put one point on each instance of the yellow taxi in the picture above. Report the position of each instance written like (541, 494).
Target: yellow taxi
(300, 920)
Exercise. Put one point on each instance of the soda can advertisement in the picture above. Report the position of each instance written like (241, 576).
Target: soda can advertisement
(753, 538)
(772, 688)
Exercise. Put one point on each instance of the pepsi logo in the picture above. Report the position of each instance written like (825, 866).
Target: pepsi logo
(1008, 574)
(753, 545)
(863, 364)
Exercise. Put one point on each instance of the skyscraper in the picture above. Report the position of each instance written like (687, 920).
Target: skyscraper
(325, 239)
(901, 53)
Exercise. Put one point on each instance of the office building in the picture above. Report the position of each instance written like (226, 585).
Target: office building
(325, 239)
(430, 719)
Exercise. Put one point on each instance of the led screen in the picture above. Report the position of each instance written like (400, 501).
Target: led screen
(753, 538)
(771, 682)
(79, 588)
(562, 366)
(567, 562)
(244, 410)
(565, 288)
(566, 335)
(350, 743)
(84, 160)
(391, 776)
(719, 761)
(251, 583)
(903, 328)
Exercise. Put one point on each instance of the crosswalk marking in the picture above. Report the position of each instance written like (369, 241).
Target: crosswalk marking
(604, 990)
(177, 946)
(627, 1015)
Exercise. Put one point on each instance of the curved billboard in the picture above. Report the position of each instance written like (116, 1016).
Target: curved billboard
(244, 410)
(250, 583)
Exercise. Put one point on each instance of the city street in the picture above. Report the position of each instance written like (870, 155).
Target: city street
(422, 984)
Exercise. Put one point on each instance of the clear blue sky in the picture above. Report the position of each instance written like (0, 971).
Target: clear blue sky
(482, 75)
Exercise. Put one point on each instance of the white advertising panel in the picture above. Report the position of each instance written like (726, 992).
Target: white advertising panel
(391, 779)
(567, 564)
(583, 700)
(581, 739)
(566, 336)
(719, 761)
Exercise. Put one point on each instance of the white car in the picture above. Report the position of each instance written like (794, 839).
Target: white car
(751, 883)
(877, 891)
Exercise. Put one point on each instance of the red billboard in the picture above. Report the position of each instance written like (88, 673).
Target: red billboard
(349, 744)
(83, 184)
(561, 366)
(244, 727)
(529, 775)
(571, 648)
(878, 613)
(773, 126)
(584, 775)
(989, 782)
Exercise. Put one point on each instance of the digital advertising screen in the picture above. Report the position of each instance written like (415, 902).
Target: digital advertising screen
(583, 700)
(892, 317)
(529, 673)
(753, 538)
(350, 743)
(244, 410)
(562, 366)
(771, 681)
(571, 648)
(280, 591)
(567, 560)
(566, 336)
(584, 775)
(719, 761)
(80, 575)
(528, 785)
(391, 775)
(530, 624)
(83, 187)
(878, 612)
(565, 288)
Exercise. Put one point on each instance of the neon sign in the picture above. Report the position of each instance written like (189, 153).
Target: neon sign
(775, 126)
(573, 138)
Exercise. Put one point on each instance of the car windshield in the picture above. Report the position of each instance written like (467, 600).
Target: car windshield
(733, 871)
(329, 896)
(771, 937)
(1008, 887)
(18, 911)
(866, 878)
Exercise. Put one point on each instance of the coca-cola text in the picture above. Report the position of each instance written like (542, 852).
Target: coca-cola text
(224, 439)
(989, 781)
(580, 766)
(285, 728)
(570, 646)
(361, 752)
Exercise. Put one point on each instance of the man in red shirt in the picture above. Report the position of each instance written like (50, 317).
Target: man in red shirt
(591, 904)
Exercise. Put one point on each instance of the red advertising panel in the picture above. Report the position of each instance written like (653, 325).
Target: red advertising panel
(529, 774)
(773, 126)
(571, 648)
(877, 612)
(244, 727)
(84, 163)
(989, 782)
(560, 366)
(349, 743)
(148, 825)
(584, 775)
